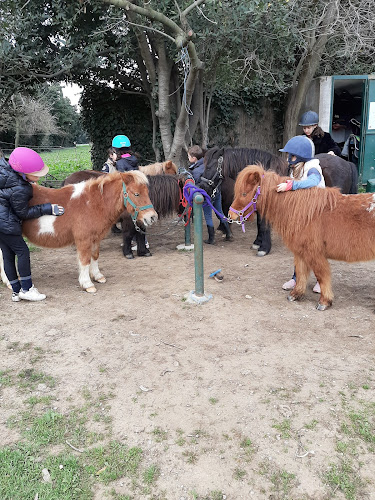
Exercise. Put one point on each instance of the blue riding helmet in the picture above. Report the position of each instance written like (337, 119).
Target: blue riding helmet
(309, 118)
(300, 146)
(121, 141)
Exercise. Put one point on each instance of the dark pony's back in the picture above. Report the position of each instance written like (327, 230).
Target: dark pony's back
(82, 175)
(235, 159)
(339, 173)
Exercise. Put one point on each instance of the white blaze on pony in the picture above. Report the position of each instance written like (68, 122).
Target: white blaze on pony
(78, 189)
(90, 211)
(46, 224)
(315, 224)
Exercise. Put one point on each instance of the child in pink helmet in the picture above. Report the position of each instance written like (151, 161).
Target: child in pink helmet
(25, 166)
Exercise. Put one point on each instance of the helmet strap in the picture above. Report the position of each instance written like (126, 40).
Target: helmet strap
(298, 159)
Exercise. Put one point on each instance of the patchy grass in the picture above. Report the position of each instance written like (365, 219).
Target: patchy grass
(342, 476)
(63, 162)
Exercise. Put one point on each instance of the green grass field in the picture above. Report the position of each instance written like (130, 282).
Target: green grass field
(63, 162)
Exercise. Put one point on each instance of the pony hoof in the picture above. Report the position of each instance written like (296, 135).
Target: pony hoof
(129, 256)
(321, 307)
(291, 298)
(261, 253)
(254, 246)
(91, 289)
(101, 280)
(148, 254)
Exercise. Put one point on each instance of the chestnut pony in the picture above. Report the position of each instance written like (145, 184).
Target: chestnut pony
(315, 224)
(91, 208)
(166, 167)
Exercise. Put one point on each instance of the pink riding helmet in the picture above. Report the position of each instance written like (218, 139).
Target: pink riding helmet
(27, 161)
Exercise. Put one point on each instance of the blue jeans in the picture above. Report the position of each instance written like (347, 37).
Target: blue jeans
(216, 202)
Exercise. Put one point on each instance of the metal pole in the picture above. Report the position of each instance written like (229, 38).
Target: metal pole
(198, 244)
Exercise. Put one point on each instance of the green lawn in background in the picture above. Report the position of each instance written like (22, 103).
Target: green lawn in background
(65, 161)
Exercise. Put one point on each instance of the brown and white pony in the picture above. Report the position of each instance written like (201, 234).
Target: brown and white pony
(3, 276)
(315, 224)
(91, 208)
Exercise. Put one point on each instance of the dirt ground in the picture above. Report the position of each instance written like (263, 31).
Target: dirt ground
(242, 397)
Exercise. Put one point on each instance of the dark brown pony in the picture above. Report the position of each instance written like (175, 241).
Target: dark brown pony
(91, 208)
(166, 195)
(222, 166)
(315, 224)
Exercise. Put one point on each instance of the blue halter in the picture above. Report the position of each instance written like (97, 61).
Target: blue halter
(136, 209)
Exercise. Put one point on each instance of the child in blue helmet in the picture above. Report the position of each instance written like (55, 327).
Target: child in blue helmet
(306, 173)
(126, 160)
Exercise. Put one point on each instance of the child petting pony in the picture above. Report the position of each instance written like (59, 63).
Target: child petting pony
(306, 172)
(25, 166)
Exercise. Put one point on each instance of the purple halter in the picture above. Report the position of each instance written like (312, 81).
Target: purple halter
(253, 204)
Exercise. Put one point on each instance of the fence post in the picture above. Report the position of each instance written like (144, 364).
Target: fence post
(198, 295)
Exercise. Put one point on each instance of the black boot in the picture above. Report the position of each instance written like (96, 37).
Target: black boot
(228, 232)
(115, 229)
(211, 235)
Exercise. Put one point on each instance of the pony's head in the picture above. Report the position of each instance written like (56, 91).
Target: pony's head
(212, 175)
(246, 192)
(169, 168)
(135, 196)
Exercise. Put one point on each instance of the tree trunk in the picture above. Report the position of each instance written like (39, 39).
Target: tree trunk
(306, 70)
(164, 111)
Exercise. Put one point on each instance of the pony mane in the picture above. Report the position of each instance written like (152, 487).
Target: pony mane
(235, 158)
(294, 209)
(140, 178)
(165, 167)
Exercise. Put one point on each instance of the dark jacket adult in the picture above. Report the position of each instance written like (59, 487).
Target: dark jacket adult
(15, 194)
(196, 169)
(127, 162)
(324, 143)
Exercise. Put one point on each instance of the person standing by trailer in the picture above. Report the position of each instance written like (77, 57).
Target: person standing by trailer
(323, 141)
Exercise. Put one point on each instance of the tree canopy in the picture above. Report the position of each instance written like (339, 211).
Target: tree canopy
(178, 54)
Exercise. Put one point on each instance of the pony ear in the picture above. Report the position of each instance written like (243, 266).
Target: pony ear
(254, 175)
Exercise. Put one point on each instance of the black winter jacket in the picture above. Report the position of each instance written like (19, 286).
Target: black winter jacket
(325, 144)
(15, 194)
(197, 170)
(127, 162)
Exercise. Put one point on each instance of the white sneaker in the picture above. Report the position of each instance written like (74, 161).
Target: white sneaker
(316, 288)
(32, 294)
(289, 285)
(15, 297)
